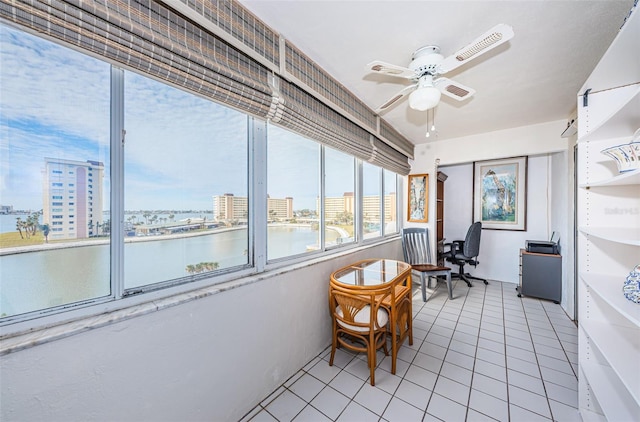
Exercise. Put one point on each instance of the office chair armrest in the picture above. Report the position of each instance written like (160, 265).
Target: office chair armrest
(454, 247)
(457, 245)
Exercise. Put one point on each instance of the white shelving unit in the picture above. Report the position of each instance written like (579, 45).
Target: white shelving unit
(609, 237)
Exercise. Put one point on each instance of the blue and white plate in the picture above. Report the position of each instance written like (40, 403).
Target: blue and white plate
(631, 288)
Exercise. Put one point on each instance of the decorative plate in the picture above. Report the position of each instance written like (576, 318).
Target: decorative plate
(631, 288)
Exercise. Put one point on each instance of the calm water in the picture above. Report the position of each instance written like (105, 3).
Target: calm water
(38, 280)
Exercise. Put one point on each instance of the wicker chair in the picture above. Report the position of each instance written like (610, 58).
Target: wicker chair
(359, 323)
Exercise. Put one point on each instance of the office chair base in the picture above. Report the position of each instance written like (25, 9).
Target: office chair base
(466, 276)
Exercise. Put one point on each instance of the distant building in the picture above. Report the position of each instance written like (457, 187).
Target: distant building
(6, 209)
(335, 206)
(72, 198)
(280, 208)
(230, 207)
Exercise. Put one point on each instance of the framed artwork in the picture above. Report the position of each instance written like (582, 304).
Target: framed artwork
(418, 189)
(500, 193)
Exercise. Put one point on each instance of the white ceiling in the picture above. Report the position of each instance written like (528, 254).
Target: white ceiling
(531, 79)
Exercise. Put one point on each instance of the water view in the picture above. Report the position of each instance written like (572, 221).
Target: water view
(41, 279)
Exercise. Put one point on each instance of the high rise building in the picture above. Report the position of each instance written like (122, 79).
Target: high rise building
(335, 206)
(72, 198)
(230, 207)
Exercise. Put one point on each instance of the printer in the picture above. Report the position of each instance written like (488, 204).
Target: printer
(542, 246)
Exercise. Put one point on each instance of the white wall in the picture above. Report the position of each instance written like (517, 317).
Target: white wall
(549, 206)
(499, 249)
(212, 359)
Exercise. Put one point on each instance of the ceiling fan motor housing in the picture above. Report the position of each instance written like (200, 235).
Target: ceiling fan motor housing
(425, 60)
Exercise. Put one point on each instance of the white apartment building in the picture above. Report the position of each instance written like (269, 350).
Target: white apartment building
(72, 198)
(334, 206)
(230, 207)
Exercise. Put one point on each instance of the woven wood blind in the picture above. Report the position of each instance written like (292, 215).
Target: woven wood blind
(302, 113)
(147, 36)
(157, 39)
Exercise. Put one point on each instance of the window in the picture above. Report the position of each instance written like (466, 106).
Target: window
(390, 202)
(371, 203)
(54, 108)
(187, 213)
(293, 187)
(186, 184)
(339, 203)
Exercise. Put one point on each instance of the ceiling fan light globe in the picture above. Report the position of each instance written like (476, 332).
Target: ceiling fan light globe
(423, 99)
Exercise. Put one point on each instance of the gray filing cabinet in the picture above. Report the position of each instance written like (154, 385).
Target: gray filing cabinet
(540, 276)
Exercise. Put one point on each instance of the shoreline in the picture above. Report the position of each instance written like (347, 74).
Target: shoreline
(135, 239)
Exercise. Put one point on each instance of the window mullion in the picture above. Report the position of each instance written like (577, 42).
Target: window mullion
(258, 192)
(359, 213)
(117, 182)
(382, 203)
(321, 212)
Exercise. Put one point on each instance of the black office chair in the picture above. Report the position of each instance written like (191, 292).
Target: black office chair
(465, 251)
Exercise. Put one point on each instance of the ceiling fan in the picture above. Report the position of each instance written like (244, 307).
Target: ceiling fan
(427, 65)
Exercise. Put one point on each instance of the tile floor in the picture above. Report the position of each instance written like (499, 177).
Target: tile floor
(485, 355)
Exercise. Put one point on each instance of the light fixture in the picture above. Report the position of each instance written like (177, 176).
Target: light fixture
(425, 96)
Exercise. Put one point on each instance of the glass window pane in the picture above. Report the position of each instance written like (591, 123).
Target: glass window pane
(390, 203)
(186, 184)
(371, 185)
(54, 217)
(339, 203)
(293, 191)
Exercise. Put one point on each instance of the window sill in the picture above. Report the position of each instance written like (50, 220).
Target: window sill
(124, 309)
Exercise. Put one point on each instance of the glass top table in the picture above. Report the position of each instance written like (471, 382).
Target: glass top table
(371, 273)
(387, 275)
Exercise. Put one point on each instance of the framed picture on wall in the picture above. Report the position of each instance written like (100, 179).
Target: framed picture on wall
(418, 189)
(500, 193)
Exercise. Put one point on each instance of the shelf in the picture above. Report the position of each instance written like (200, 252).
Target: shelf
(621, 350)
(609, 289)
(571, 129)
(628, 178)
(620, 122)
(588, 416)
(610, 393)
(607, 204)
(619, 65)
(626, 235)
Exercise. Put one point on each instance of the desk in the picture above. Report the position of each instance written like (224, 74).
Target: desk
(379, 273)
(540, 276)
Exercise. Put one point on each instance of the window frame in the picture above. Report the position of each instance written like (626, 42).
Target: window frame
(120, 297)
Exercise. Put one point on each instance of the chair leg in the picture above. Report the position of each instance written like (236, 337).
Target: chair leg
(449, 285)
(333, 346)
(476, 278)
(424, 288)
(371, 357)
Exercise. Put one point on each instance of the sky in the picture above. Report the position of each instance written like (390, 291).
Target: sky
(180, 149)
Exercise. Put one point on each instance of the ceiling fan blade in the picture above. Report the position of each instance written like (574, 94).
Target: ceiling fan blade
(453, 89)
(497, 35)
(393, 100)
(391, 69)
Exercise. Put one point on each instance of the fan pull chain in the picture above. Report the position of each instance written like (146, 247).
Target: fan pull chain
(431, 128)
